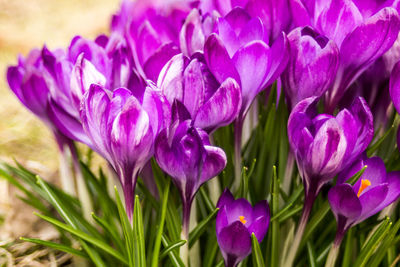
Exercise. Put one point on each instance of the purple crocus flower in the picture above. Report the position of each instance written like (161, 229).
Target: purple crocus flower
(195, 30)
(352, 204)
(312, 65)
(185, 153)
(34, 81)
(373, 191)
(152, 30)
(239, 51)
(394, 86)
(236, 221)
(275, 14)
(363, 36)
(323, 146)
(209, 104)
(122, 128)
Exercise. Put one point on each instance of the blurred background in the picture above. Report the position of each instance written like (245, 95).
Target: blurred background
(25, 25)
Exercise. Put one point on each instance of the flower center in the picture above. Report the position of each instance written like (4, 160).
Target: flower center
(364, 184)
(242, 220)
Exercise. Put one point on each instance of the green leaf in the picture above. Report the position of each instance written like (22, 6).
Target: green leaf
(139, 233)
(163, 211)
(348, 248)
(356, 176)
(110, 230)
(176, 261)
(311, 255)
(258, 260)
(275, 231)
(201, 227)
(171, 247)
(127, 230)
(56, 246)
(372, 243)
(96, 242)
(377, 144)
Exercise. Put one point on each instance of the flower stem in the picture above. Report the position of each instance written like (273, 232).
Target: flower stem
(184, 251)
(66, 176)
(334, 251)
(238, 153)
(308, 203)
(83, 193)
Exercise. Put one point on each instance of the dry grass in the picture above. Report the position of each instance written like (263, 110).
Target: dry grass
(23, 26)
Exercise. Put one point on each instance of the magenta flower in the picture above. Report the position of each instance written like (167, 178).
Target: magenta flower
(312, 65)
(185, 153)
(239, 50)
(209, 104)
(323, 144)
(236, 221)
(274, 14)
(122, 128)
(365, 34)
(374, 190)
(152, 30)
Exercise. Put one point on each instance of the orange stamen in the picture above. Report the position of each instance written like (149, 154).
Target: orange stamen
(364, 184)
(242, 220)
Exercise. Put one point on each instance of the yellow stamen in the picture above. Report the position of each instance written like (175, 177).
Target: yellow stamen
(364, 184)
(242, 220)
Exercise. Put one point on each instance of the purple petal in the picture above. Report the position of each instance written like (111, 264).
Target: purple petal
(375, 173)
(225, 199)
(328, 149)
(394, 86)
(166, 157)
(234, 241)
(69, 125)
(157, 108)
(261, 217)
(252, 63)
(240, 207)
(130, 133)
(191, 36)
(218, 59)
(94, 116)
(371, 200)
(158, 59)
(367, 43)
(364, 119)
(170, 80)
(83, 75)
(393, 194)
(222, 108)
(339, 20)
(279, 56)
(344, 202)
(222, 219)
(214, 163)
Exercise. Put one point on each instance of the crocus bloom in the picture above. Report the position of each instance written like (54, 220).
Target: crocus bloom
(209, 104)
(374, 190)
(236, 221)
(239, 51)
(34, 82)
(275, 14)
(122, 129)
(312, 65)
(363, 36)
(152, 31)
(185, 153)
(323, 144)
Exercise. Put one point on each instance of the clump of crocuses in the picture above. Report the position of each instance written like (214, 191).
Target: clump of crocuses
(236, 221)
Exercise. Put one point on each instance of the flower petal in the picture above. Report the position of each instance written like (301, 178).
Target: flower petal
(222, 108)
